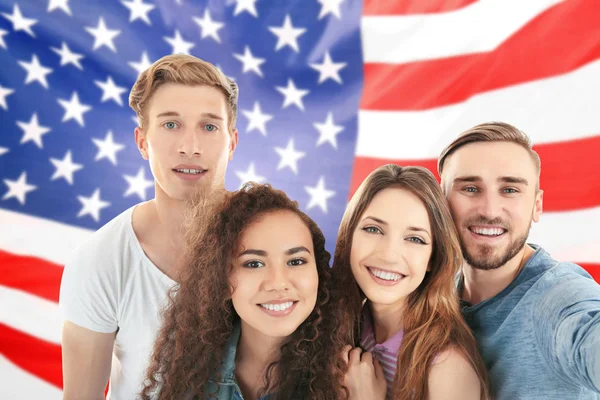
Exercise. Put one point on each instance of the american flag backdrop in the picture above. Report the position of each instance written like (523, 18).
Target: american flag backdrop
(329, 90)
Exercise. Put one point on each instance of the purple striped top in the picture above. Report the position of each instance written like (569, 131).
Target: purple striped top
(386, 353)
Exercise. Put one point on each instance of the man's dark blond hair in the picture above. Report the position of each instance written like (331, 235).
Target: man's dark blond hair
(491, 132)
(186, 70)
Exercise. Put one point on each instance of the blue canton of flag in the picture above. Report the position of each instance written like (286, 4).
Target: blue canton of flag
(67, 151)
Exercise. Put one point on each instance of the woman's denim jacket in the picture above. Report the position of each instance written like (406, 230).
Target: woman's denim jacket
(228, 386)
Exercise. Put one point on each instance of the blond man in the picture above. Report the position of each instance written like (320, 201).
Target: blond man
(113, 289)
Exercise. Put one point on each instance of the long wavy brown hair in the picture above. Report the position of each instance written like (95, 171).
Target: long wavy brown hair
(199, 316)
(432, 320)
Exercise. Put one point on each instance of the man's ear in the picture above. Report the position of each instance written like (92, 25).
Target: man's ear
(140, 141)
(538, 206)
(234, 143)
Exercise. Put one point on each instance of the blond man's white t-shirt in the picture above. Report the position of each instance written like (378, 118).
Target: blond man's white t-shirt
(110, 285)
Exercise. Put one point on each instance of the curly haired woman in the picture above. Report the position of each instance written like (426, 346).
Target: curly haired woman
(251, 317)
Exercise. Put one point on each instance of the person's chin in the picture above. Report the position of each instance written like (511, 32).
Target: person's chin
(376, 297)
(278, 330)
(190, 192)
(490, 250)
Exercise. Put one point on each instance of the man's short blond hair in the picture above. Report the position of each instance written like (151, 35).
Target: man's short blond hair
(491, 132)
(183, 69)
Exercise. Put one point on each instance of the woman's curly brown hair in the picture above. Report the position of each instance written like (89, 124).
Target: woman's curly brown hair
(199, 316)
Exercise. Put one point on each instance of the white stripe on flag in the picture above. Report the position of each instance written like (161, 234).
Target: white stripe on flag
(569, 236)
(21, 385)
(479, 27)
(548, 110)
(30, 314)
(31, 236)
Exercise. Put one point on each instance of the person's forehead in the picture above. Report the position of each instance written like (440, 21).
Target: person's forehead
(490, 159)
(397, 205)
(276, 227)
(174, 96)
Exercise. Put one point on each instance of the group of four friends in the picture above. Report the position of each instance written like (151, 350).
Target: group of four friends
(433, 292)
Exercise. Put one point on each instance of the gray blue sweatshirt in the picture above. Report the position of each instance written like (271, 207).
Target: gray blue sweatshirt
(540, 336)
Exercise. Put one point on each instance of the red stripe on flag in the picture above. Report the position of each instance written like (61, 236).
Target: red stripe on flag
(593, 269)
(30, 274)
(404, 7)
(33, 355)
(568, 176)
(363, 166)
(534, 52)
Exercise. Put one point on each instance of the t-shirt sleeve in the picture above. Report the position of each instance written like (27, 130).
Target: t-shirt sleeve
(89, 288)
(568, 317)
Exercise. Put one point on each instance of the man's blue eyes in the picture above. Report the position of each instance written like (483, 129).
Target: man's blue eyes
(173, 125)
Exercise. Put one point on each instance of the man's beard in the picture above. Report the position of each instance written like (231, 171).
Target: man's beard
(483, 256)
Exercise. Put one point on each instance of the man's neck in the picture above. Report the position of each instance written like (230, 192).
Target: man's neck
(159, 227)
(387, 319)
(480, 285)
(168, 217)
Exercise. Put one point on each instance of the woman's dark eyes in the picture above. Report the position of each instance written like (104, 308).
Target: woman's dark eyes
(296, 262)
(253, 264)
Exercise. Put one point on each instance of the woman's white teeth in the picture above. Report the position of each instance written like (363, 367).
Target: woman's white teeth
(387, 276)
(488, 231)
(278, 307)
(190, 171)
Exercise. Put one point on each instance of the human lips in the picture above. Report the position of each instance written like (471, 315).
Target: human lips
(189, 169)
(278, 308)
(385, 277)
(189, 172)
(490, 231)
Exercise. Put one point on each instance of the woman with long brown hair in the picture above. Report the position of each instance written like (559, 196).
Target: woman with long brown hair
(252, 314)
(395, 262)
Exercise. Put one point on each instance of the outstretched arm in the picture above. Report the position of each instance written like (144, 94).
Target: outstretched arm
(568, 318)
